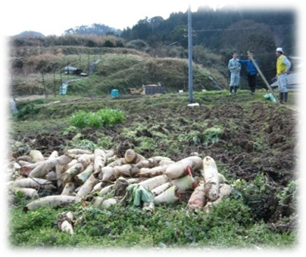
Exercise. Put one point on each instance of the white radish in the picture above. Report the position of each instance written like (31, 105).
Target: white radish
(44, 167)
(68, 189)
(51, 200)
(154, 182)
(32, 183)
(183, 183)
(99, 159)
(106, 190)
(197, 199)
(211, 178)
(102, 203)
(158, 190)
(87, 187)
(225, 190)
(179, 168)
(167, 197)
(27, 192)
(36, 156)
(84, 175)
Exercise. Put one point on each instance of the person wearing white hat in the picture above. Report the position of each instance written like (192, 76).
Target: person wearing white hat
(283, 66)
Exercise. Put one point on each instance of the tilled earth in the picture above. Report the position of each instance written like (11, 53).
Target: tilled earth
(258, 139)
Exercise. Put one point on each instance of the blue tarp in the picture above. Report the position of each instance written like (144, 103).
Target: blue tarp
(63, 88)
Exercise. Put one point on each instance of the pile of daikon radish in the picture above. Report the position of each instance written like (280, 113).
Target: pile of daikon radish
(79, 175)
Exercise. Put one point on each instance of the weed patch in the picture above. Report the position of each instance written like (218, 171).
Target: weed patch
(212, 135)
(103, 117)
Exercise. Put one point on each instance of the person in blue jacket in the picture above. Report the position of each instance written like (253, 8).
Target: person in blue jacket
(252, 72)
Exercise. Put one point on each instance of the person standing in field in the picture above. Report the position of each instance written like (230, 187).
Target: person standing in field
(234, 67)
(283, 66)
(252, 72)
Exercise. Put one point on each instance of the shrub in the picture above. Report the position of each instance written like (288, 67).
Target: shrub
(259, 195)
(28, 108)
(137, 44)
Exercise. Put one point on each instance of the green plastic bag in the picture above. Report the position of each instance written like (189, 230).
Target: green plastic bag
(139, 194)
(270, 97)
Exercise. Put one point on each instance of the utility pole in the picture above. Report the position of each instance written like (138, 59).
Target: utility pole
(190, 81)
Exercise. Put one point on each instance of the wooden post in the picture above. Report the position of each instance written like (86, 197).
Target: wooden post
(44, 84)
(54, 84)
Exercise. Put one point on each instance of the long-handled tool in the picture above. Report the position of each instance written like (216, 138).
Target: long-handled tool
(261, 75)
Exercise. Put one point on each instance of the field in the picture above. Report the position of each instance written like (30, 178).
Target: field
(255, 149)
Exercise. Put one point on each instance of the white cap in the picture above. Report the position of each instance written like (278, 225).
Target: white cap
(279, 49)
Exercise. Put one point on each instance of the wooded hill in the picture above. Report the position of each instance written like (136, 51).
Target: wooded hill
(221, 29)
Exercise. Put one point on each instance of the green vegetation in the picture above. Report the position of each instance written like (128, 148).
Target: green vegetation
(26, 109)
(212, 135)
(229, 225)
(103, 117)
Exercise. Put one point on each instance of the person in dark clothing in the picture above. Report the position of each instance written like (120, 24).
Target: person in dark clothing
(252, 72)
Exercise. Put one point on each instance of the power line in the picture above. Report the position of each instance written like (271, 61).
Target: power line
(246, 28)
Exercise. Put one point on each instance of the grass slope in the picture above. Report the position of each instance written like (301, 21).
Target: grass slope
(42, 73)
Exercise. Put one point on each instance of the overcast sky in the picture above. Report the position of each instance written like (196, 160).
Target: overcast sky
(54, 17)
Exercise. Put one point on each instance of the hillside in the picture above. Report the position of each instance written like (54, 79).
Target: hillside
(40, 70)
(29, 34)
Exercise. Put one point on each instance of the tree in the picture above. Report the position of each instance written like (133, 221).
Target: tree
(248, 35)
(179, 35)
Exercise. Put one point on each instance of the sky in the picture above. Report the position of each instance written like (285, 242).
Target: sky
(54, 17)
